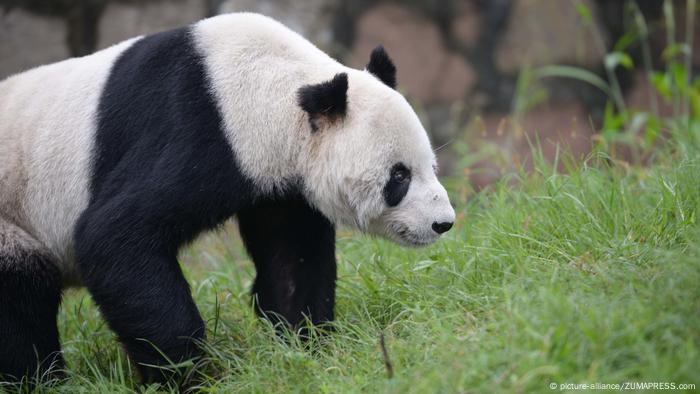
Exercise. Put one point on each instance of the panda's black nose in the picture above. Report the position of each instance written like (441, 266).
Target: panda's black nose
(441, 227)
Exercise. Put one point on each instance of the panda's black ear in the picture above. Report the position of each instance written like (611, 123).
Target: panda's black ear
(382, 67)
(326, 100)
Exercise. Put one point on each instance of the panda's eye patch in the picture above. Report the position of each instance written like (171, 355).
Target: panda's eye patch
(397, 185)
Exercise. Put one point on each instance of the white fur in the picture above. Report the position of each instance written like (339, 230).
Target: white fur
(15, 242)
(257, 66)
(47, 127)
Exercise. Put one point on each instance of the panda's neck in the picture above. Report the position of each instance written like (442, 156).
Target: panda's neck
(256, 92)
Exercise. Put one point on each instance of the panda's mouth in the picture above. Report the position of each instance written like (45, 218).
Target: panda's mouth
(402, 233)
(407, 237)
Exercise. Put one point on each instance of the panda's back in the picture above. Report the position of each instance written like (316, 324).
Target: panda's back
(47, 123)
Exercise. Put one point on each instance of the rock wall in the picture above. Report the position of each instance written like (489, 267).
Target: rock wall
(121, 21)
(28, 40)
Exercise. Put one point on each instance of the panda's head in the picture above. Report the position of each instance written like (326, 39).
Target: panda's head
(369, 163)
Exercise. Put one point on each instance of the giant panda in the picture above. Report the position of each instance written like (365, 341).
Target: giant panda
(109, 163)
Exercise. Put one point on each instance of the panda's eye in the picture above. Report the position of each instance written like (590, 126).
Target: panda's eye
(400, 174)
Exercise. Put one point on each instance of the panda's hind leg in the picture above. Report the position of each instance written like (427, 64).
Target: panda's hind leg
(30, 293)
(293, 248)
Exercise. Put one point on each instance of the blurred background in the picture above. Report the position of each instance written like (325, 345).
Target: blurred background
(490, 78)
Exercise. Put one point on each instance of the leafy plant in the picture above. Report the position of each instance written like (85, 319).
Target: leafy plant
(634, 129)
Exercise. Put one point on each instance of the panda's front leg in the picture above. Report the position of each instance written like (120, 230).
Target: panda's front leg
(293, 248)
(134, 277)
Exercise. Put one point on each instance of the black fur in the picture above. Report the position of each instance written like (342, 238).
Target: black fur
(382, 67)
(30, 292)
(327, 99)
(396, 187)
(163, 173)
(293, 246)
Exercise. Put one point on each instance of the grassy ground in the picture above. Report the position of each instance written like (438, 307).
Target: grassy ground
(581, 278)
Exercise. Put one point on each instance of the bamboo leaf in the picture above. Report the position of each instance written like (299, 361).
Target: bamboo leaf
(584, 12)
(614, 59)
(576, 73)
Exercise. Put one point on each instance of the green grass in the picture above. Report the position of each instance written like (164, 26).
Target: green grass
(588, 277)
